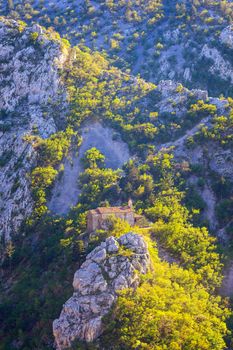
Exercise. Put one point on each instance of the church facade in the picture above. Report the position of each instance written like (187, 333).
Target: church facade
(96, 218)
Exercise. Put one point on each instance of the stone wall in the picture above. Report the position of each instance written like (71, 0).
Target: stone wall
(97, 221)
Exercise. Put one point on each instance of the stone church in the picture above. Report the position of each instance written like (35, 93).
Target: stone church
(96, 218)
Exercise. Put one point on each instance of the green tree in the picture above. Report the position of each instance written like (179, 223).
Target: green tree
(93, 158)
(170, 310)
(194, 247)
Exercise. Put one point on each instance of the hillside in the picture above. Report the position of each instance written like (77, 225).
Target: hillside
(144, 114)
(80, 130)
(163, 39)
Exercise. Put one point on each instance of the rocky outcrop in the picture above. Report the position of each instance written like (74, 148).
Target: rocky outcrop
(220, 66)
(174, 97)
(187, 74)
(114, 265)
(221, 162)
(226, 36)
(30, 88)
(212, 159)
(28, 70)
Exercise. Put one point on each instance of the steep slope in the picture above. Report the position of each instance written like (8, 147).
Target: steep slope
(42, 80)
(66, 190)
(206, 154)
(50, 91)
(109, 268)
(188, 41)
(123, 295)
(32, 102)
(47, 79)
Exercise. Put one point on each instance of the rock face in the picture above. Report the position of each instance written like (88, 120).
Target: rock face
(226, 37)
(214, 159)
(220, 66)
(174, 101)
(178, 56)
(114, 265)
(29, 81)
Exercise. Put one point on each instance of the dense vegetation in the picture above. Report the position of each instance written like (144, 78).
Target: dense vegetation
(175, 307)
(58, 245)
(164, 313)
(219, 134)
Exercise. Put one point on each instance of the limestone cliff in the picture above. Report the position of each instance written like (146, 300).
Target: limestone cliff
(114, 265)
(31, 93)
(226, 37)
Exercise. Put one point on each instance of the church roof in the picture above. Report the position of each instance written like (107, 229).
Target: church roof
(111, 210)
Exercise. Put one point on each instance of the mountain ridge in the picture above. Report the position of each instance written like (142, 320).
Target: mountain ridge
(178, 173)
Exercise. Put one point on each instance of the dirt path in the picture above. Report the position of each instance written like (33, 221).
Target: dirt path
(66, 191)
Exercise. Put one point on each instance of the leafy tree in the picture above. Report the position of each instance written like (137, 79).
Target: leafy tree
(193, 245)
(41, 180)
(170, 310)
(97, 184)
(225, 210)
(202, 108)
(93, 158)
(43, 177)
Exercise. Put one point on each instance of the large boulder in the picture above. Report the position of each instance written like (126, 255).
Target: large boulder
(113, 266)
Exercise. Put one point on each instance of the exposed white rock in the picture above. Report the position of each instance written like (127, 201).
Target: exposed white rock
(114, 265)
(174, 97)
(222, 162)
(226, 36)
(221, 104)
(187, 74)
(94, 134)
(172, 35)
(29, 86)
(220, 66)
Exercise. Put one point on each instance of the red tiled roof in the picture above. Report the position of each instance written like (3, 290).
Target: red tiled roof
(111, 210)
